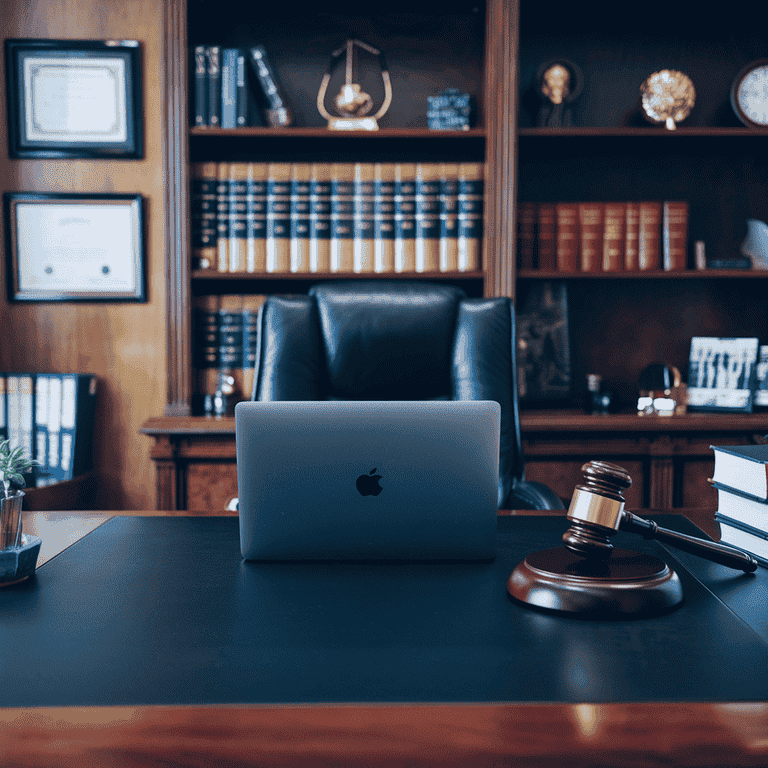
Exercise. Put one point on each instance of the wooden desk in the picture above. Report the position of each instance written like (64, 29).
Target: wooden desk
(669, 459)
(578, 735)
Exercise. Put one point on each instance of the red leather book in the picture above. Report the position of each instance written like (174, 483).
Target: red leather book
(526, 235)
(631, 234)
(591, 236)
(649, 236)
(614, 222)
(567, 215)
(675, 235)
(546, 236)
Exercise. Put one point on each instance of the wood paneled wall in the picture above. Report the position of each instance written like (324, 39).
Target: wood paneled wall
(123, 344)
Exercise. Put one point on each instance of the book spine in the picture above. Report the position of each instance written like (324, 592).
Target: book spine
(206, 343)
(614, 237)
(27, 414)
(200, 101)
(222, 217)
(228, 88)
(300, 216)
(427, 199)
(213, 54)
(546, 242)
(279, 217)
(631, 236)
(449, 217)
(241, 94)
(256, 218)
(648, 239)
(364, 203)
(54, 428)
(3, 408)
(471, 211)
(68, 415)
(41, 430)
(78, 392)
(675, 235)
(14, 415)
(384, 217)
(761, 378)
(526, 235)
(591, 236)
(238, 217)
(405, 217)
(278, 113)
(342, 217)
(320, 218)
(567, 218)
(204, 214)
(230, 324)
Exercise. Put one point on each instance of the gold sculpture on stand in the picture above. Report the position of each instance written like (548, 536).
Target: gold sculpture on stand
(352, 103)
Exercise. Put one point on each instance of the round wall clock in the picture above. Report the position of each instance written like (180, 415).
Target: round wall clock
(749, 94)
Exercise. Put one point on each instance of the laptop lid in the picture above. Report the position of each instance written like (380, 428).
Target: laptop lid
(350, 480)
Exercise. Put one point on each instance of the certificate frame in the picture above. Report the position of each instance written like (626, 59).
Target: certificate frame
(74, 98)
(74, 247)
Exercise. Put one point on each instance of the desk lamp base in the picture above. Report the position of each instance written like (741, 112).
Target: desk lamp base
(627, 584)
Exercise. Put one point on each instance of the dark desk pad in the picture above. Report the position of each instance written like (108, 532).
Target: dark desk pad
(162, 610)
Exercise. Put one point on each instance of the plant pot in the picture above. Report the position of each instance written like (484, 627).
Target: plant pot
(10, 520)
(18, 552)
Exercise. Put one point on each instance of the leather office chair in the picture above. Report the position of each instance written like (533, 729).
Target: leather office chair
(393, 340)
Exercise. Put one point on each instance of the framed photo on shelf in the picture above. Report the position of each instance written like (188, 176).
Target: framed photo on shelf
(74, 98)
(543, 345)
(721, 374)
(74, 247)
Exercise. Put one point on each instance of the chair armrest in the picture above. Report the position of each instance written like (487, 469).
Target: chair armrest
(528, 494)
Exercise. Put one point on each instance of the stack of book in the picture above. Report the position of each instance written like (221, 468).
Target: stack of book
(51, 416)
(603, 236)
(337, 217)
(225, 341)
(741, 480)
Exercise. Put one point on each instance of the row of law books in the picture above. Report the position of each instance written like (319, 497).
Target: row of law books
(741, 481)
(337, 217)
(224, 334)
(603, 236)
(51, 417)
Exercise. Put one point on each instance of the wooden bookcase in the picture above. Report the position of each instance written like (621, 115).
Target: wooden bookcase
(619, 323)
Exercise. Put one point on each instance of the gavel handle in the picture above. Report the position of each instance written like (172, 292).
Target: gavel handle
(710, 550)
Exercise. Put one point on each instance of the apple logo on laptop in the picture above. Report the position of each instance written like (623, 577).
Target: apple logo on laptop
(368, 485)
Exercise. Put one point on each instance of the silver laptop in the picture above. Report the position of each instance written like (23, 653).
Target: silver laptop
(347, 480)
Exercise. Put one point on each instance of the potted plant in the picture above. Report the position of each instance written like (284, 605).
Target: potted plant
(18, 553)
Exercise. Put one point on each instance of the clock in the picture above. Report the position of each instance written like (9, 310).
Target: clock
(749, 94)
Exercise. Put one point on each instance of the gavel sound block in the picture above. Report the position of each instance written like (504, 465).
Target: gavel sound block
(589, 576)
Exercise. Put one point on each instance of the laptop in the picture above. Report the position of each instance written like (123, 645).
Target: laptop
(352, 480)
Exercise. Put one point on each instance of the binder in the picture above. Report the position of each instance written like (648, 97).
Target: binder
(41, 474)
(53, 463)
(3, 409)
(78, 411)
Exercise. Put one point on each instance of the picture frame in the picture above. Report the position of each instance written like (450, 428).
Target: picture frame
(74, 98)
(74, 247)
(721, 374)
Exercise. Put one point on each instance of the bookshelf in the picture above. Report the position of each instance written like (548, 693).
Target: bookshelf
(620, 322)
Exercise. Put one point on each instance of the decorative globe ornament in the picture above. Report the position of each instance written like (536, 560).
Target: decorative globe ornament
(668, 97)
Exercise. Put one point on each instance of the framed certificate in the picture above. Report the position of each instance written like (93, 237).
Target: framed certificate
(74, 98)
(74, 247)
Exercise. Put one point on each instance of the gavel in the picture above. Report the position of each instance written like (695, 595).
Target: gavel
(597, 512)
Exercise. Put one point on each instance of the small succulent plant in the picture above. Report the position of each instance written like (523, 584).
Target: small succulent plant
(12, 466)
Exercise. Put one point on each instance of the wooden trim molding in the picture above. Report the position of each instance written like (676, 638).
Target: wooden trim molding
(502, 30)
(177, 223)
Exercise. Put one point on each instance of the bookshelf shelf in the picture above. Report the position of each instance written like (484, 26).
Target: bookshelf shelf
(691, 274)
(324, 133)
(212, 274)
(646, 133)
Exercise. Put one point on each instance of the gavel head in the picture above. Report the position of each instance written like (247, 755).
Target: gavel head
(596, 510)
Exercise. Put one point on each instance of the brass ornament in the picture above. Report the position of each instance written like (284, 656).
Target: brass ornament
(352, 103)
(668, 97)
